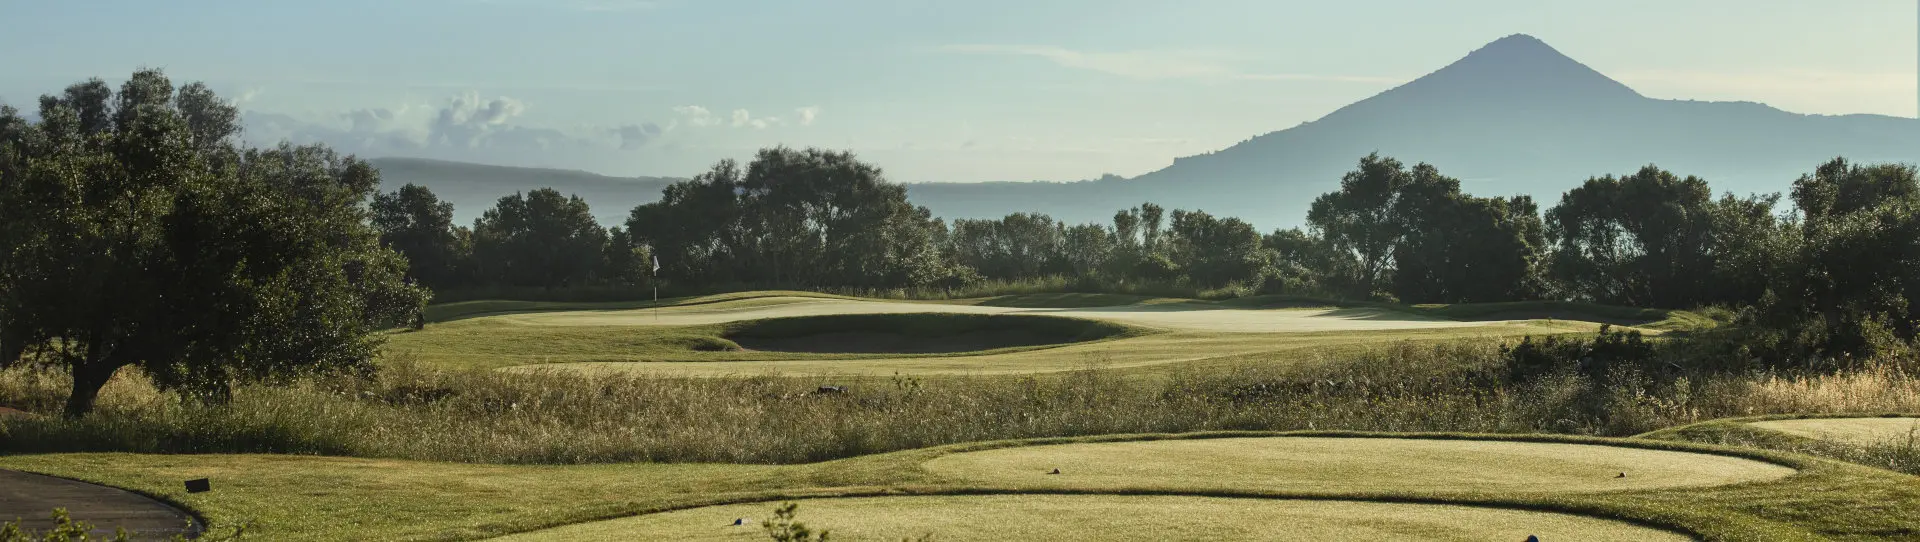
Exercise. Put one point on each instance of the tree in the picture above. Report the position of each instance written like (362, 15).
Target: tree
(1838, 188)
(1643, 240)
(1215, 252)
(540, 238)
(1464, 249)
(697, 228)
(1086, 247)
(415, 223)
(140, 237)
(803, 218)
(1361, 217)
(1303, 263)
(1017, 246)
(626, 263)
(1848, 275)
(824, 217)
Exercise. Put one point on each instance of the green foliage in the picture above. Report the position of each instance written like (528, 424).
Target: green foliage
(1417, 237)
(1653, 239)
(65, 529)
(540, 238)
(140, 235)
(784, 528)
(1844, 292)
(415, 223)
(1361, 217)
(811, 218)
(1215, 252)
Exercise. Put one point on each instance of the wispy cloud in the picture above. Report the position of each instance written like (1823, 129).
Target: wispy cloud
(1156, 64)
(700, 117)
(805, 115)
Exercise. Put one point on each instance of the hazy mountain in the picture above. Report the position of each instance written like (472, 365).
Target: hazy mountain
(474, 188)
(1515, 116)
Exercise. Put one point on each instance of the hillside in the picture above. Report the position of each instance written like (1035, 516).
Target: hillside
(1515, 116)
(473, 188)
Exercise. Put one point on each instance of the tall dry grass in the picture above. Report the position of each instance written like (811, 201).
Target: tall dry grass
(416, 412)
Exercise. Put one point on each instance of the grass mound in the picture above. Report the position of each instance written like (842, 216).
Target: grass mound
(1860, 431)
(915, 333)
(1353, 464)
(1113, 517)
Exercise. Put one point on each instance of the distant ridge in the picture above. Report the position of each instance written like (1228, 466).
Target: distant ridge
(1514, 116)
(474, 188)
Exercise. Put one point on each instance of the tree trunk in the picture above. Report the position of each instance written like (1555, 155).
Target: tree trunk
(87, 382)
(12, 347)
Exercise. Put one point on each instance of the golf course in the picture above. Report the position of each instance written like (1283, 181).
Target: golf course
(843, 336)
(502, 271)
(1208, 484)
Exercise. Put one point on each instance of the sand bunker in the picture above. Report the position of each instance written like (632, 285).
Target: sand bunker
(921, 333)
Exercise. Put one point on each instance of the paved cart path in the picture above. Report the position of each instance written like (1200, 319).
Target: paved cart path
(31, 497)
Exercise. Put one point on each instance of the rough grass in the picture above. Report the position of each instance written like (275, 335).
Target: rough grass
(419, 412)
(1117, 517)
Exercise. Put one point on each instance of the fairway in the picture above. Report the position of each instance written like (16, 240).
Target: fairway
(1351, 464)
(1857, 431)
(688, 338)
(1114, 517)
(1176, 316)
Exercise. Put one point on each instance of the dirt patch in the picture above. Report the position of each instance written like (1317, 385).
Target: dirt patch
(857, 342)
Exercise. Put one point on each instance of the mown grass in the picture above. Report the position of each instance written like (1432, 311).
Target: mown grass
(1656, 319)
(1900, 452)
(448, 312)
(330, 498)
(1120, 517)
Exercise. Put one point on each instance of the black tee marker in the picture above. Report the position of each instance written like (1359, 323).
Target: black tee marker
(199, 486)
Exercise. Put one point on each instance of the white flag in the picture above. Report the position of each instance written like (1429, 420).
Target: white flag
(656, 265)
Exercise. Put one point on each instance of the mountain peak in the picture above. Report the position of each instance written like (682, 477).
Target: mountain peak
(1516, 70)
(1517, 42)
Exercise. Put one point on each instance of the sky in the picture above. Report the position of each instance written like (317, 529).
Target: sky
(943, 91)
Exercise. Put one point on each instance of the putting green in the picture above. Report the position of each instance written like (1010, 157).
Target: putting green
(1178, 316)
(1320, 464)
(1113, 517)
(1858, 431)
(686, 339)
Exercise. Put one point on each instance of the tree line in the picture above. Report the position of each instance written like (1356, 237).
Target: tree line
(1841, 260)
(137, 232)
